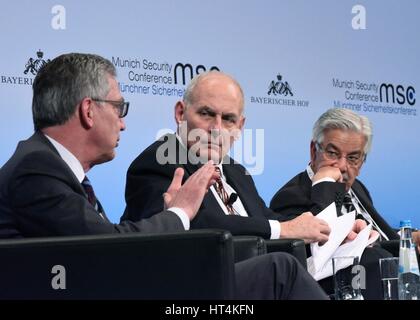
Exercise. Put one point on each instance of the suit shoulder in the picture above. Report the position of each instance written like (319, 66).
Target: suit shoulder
(300, 180)
(296, 185)
(359, 186)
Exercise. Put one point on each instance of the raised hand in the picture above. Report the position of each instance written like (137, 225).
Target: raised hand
(190, 195)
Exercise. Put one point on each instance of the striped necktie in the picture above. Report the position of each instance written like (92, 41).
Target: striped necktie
(348, 203)
(221, 191)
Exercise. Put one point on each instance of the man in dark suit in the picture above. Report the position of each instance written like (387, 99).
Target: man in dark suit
(340, 143)
(77, 123)
(209, 119)
(78, 116)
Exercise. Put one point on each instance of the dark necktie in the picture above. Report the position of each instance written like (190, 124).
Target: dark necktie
(91, 196)
(89, 191)
(348, 203)
(221, 191)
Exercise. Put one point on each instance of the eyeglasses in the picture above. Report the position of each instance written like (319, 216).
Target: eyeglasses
(333, 155)
(121, 106)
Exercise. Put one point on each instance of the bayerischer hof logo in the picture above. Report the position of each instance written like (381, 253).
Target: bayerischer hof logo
(25, 76)
(279, 87)
(280, 93)
(35, 64)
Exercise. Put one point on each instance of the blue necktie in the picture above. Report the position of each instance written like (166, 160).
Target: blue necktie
(91, 197)
(89, 191)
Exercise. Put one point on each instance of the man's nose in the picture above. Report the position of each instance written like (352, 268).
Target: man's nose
(216, 124)
(122, 124)
(342, 164)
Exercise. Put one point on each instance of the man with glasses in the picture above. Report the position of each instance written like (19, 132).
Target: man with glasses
(209, 119)
(78, 116)
(341, 141)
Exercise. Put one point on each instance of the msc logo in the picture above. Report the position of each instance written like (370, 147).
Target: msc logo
(279, 87)
(182, 68)
(387, 91)
(34, 65)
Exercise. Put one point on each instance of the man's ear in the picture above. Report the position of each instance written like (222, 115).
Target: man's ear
(313, 151)
(242, 123)
(179, 112)
(86, 110)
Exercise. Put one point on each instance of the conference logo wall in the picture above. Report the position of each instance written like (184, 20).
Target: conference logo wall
(377, 97)
(31, 67)
(279, 92)
(145, 76)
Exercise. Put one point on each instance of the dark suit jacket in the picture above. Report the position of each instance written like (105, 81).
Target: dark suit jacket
(298, 196)
(147, 180)
(40, 196)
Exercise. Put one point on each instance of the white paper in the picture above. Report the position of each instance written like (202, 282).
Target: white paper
(320, 263)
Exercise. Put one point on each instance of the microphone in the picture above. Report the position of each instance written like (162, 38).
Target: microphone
(232, 198)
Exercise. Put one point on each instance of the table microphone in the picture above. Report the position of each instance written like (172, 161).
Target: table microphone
(232, 198)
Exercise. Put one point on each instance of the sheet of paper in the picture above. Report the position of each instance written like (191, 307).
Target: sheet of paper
(320, 263)
(353, 248)
(340, 228)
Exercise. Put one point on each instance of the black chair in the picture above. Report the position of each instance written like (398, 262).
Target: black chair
(392, 246)
(246, 247)
(295, 247)
(196, 264)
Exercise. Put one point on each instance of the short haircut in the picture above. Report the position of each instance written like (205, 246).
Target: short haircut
(344, 119)
(63, 83)
(190, 90)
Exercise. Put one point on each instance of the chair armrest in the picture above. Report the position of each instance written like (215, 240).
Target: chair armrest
(295, 247)
(196, 264)
(246, 247)
(392, 246)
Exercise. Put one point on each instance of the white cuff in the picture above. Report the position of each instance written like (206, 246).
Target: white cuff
(326, 179)
(182, 215)
(275, 229)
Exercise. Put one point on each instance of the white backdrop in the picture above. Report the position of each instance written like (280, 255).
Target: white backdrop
(330, 53)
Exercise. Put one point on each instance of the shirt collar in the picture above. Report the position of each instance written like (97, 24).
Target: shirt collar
(309, 171)
(69, 159)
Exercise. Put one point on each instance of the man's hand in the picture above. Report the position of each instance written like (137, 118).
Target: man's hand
(358, 226)
(306, 227)
(190, 195)
(416, 239)
(328, 172)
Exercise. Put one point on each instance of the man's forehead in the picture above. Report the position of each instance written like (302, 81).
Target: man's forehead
(344, 139)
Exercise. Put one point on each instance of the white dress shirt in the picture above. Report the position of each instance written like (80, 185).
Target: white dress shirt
(238, 206)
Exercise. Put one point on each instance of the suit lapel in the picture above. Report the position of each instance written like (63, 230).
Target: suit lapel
(235, 178)
(367, 203)
(40, 138)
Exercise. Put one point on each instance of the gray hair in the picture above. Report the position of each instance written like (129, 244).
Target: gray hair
(343, 119)
(63, 82)
(189, 91)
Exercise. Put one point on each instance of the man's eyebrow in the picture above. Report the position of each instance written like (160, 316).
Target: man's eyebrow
(333, 146)
(229, 115)
(207, 108)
